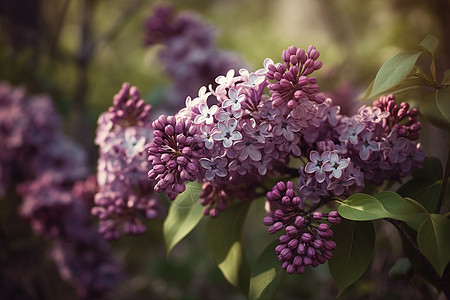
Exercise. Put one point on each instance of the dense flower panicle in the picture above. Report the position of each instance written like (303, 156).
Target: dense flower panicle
(129, 109)
(62, 159)
(116, 207)
(31, 138)
(190, 56)
(174, 155)
(46, 205)
(82, 256)
(401, 117)
(125, 195)
(307, 234)
(292, 80)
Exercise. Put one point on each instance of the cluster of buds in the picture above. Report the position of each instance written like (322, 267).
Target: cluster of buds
(306, 241)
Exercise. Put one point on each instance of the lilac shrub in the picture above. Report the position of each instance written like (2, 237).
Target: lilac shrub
(125, 196)
(233, 136)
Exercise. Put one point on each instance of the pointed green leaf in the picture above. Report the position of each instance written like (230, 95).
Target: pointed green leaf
(394, 71)
(408, 85)
(224, 235)
(433, 240)
(446, 79)
(429, 43)
(424, 190)
(443, 102)
(406, 210)
(184, 214)
(267, 275)
(355, 245)
(368, 92)
(430, 109)
(362, 207)
(431, 168)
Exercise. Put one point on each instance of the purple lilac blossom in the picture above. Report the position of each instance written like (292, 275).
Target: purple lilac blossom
(253, 135)
(125, 196)
(189, 56)
(42, 163)
(307, 239)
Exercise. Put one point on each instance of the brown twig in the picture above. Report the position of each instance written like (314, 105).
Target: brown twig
(444, 182)
(439, 281)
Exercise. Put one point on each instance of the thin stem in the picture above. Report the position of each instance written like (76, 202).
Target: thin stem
(433, 71)
(439, 281)
(57, 34)
(424, 77)
(444, 182)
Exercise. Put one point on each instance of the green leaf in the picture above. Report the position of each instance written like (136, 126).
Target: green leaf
(431, 168)
(362, 207)
(433, 240)
(424, 190)
(406, 210)
(402, 269)
(446, 79)
(267, 275)
(443, 102)
(426, 185)
(409, 84)
(224, 235)
(429, 43)
(185, 213)
(435, 107)
(394, 71)
(355, 246)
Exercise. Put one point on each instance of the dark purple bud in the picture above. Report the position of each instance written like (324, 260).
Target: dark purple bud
(303, 80)
(298, 260)
(306, 237)
(301, 248)
(296, 201)
(286, 254)
(293, 244)
(311, 252)
(291, 230)
(329, 245)
(289, 185)
(307, 261)
(317, 215)
(281, 186)
(318, 244)
(278, 214)
(299, 221)
(323, 227)
(290, 269)
(268, 221)
(284, 239)
(280, 248)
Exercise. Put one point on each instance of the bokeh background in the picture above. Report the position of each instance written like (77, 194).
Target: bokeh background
(80, 52)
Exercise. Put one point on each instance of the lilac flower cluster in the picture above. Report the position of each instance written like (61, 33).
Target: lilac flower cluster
(35, 151)
(125, 195)
(32, 141)
(82, 256)
(189, 56)
(232, 136)
(306, 241)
